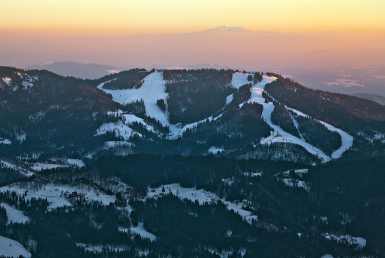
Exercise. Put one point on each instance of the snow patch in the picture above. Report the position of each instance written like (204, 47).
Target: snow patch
(215, 150)
(229, 99)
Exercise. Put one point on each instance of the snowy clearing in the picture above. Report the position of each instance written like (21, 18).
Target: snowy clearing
(58, 195)
(201, 196)
(76, 162)
(14, 215)
(11, 248)
(240, 79)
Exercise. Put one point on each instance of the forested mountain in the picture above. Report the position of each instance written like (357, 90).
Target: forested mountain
(188, 163)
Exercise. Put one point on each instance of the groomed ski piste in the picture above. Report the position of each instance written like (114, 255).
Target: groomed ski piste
(153, 88)
(11, 248)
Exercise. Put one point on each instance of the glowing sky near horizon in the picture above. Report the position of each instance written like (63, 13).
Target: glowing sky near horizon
(124, 17)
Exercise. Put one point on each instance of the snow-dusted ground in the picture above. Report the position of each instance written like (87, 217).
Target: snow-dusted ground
(358, 242)
(201, 196)
(56, 194)
(14, 215)
(11, 248)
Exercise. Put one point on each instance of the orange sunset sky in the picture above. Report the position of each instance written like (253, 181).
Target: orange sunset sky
(124, 17)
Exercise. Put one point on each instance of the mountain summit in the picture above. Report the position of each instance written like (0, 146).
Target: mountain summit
(227, 28)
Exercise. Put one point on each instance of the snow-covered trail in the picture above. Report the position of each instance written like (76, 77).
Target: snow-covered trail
(346, 139)
(279, 135)
(283, 136)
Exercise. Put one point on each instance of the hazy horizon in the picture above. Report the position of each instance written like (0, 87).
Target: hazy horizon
(290, 37)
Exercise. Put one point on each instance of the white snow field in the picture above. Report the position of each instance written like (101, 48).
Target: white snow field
(14, 215)
(11, 248)
(201, 196)
(56, 194)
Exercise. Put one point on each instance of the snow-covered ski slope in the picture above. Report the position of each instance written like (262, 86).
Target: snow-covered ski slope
(279, 135)
(153, 88)
(11, 248)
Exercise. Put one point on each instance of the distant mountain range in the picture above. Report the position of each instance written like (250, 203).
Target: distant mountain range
(78, 70)
(374, 97)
